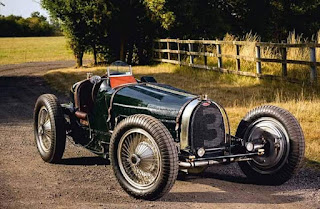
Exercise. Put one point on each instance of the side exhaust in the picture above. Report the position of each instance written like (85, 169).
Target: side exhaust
(218, 160)
(198, 163)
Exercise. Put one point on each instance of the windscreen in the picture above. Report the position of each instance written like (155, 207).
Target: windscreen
(119, 68)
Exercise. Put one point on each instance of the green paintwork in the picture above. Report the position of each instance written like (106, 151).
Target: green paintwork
(144, 99)
(158, 100)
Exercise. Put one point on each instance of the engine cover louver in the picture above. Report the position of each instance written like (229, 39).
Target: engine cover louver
(206, 127)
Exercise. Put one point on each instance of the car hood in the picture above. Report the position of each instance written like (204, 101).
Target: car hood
(159, 100)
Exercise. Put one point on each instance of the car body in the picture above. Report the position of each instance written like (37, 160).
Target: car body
(152, 131)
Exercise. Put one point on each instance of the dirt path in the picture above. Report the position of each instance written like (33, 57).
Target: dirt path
(85, 181)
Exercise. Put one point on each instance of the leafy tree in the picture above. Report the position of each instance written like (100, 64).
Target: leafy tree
(113, 28)
(273, 20)
(36, 25)
(124, 29)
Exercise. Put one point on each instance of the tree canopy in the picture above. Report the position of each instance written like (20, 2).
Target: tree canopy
(124, 29)
(35, 25)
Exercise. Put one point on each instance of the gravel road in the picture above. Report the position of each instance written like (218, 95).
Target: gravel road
(82, 180)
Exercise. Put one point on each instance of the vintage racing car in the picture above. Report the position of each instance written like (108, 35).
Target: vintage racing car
(151, 131)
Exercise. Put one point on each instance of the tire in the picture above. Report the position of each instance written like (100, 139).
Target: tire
(284, 149)
(49, 128)
(150, 167)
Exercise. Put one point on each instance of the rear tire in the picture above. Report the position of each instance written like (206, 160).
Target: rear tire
(284, 151)
(144, 157)
(49, 128)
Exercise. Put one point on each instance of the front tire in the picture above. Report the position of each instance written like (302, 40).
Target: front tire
(49, 128)
(284, 148)
(144, 157)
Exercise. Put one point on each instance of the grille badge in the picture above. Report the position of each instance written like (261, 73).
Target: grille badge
(205, 104)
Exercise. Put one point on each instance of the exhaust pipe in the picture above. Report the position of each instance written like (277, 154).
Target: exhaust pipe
(198, 163)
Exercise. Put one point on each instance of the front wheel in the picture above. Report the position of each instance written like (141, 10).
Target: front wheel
(284, 144)
(49, 128)
(144, 157)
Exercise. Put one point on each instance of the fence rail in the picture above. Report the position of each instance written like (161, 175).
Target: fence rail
(165, 55)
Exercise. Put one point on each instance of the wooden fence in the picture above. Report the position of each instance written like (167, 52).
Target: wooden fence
(164, 49)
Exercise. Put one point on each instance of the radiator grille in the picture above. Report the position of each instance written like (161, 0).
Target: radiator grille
(206, 127)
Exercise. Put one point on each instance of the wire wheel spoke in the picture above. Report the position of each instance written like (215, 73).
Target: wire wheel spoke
(44, 130)
(139, 158)
(42, 116)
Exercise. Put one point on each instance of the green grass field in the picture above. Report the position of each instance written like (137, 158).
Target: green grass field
(34, 49)
(236, 93)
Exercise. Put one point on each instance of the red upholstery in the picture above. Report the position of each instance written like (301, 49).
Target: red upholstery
(120, 80)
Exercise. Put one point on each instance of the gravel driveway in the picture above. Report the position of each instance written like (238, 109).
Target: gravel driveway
(84, 181)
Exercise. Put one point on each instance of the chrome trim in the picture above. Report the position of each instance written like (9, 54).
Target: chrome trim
(217, 160)
(215, 149)
(185, 121)
(131, 106)
(198, 164)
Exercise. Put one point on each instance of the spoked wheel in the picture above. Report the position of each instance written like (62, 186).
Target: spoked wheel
(49, 128)
(144, 157)
(284, 144)
(44, 139)
(139, 158)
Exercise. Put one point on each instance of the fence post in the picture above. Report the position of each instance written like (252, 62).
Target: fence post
(258, 60)
(204, 54)
(179, 55)
(313, 59)
(237, 57)
(190, 50)
(284, 61)
(218, 46)
(159, 47)
(168, 47)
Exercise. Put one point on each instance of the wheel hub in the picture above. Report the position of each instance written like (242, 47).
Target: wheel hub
(134, 159)
(276, 140)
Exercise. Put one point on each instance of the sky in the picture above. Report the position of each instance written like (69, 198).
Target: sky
(21, 7)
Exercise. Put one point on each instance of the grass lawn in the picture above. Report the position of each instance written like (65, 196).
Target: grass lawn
(34, 49)
(236, 93)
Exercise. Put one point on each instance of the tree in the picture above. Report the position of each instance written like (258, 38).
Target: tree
(36, 25)
(124, 29)
(112, 27)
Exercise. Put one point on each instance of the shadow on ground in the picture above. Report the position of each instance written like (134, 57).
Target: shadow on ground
(18, 96)
(85, 161)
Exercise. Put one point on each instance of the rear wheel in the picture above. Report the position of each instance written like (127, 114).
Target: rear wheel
(49, 128)
(284, 144)
(144, 157)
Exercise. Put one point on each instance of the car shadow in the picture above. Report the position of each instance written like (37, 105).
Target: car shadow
(87, 161)
(231, 197)
(226, 184)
